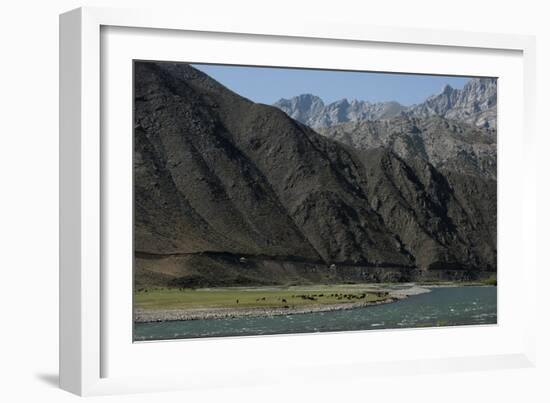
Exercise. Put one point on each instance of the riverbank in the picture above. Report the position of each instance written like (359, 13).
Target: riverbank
(442, 306)
(355, 296)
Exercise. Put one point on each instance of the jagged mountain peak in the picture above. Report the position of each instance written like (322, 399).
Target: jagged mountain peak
(474, 104)
(447, 89)
(308, 98)
(313, 112)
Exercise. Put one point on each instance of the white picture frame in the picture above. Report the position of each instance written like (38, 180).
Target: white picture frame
(89, 335)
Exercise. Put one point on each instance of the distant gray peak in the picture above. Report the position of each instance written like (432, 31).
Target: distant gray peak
(342, 102)
(447, 89)
(310, 97)
(312, 111)
(474, 104)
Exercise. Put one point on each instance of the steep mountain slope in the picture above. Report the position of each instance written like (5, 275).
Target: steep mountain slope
(224, 183)
(311, 110)
(446, 144)
(242, 178)
(475, 104)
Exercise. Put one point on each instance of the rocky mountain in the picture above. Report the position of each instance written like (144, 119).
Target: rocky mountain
(311, 110)
(447, 144)
(232, 192)
(475, 104)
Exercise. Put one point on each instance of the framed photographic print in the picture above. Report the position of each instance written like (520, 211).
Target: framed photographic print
(292, 215)
(296, 196)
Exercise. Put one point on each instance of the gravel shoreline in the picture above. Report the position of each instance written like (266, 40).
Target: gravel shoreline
(165, 315)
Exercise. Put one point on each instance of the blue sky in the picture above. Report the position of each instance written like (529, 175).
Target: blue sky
(268, 85)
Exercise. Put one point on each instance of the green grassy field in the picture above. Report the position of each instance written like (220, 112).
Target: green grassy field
(487, 281)
(269, 297)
